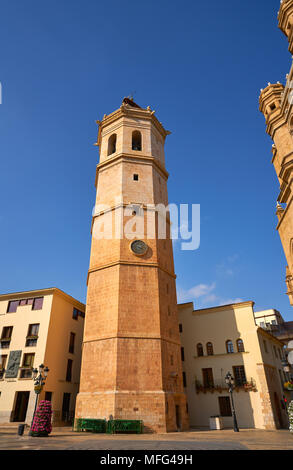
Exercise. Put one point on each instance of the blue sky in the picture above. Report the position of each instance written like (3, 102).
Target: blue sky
(200, 65)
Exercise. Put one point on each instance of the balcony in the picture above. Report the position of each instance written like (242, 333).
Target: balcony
(5, 342)
(26, 372)
(31, 340)
(221, 386)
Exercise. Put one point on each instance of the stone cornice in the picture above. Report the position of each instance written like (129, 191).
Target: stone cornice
(222, 308)
(131, 158)
(134, 336)
(130, 263)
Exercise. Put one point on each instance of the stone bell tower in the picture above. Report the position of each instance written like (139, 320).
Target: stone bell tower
(276, 103)
(131, 364)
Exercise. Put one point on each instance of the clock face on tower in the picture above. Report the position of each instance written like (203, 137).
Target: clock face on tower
(138, 247)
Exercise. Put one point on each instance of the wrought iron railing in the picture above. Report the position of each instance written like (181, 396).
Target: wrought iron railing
(221, 386)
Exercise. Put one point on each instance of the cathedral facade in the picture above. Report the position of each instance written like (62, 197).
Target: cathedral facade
(275, 103)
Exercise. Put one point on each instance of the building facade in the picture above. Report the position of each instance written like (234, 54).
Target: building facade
(131, 366)
(39, 327)
(275, 103)
(225, 339)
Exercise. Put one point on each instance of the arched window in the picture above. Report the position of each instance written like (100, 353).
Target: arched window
(112, 144)
(229, 346)
(240, 345)
(136, 140)
(210, 349)
(199, 349)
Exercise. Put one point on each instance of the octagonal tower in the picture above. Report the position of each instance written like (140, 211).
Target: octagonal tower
(131, 364)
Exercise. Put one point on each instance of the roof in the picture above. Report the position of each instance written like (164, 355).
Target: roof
(248, 303)
(130, 102)
(37, 292)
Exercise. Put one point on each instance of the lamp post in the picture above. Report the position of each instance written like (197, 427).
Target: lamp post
(230, 382)
(39, 377)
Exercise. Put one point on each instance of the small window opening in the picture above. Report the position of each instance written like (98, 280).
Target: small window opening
(135, 177)
(136, 140)
(112, 144)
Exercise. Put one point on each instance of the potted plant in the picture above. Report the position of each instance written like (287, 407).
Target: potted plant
(42, 426)
(288, 385)
(216, 423)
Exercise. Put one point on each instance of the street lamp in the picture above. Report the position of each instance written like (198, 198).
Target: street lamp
(39, 377)
(230, 382)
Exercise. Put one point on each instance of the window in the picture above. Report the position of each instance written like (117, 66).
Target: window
(272, 107)
(32, 335)
(12, 306)
(71, 343)
(280, 353)
(199, 348)
(27, 366)
(69, 370)
(48, 396)
(208, 379)
(180, 328)
(229, 346)
(262, 324)
(135, 177)
(3, 360)
(77, 313)
(184, 379)
(275, 351)
(28, 360)
(38, 303)
(171, 360)
(239, 375)
(169, 313)
(240, 345)
(182, 354)
(225, 406)
(7, 332)
(136, 140)
(112, 144)
(210, 349)
(265, 346)
(6, 337)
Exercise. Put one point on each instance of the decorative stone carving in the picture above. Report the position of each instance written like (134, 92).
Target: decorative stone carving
(13, 364)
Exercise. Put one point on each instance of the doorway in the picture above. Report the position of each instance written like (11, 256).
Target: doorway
(279, 423)
(20, 408)
(65, 407)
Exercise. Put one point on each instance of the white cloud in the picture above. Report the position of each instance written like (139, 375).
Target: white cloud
(195, 292)
(204, 296)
